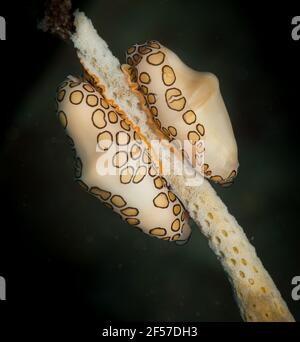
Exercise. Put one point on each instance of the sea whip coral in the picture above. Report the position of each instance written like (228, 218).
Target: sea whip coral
(256, 293)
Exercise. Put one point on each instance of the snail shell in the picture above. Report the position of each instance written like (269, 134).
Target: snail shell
(186, 105)
(113, 163)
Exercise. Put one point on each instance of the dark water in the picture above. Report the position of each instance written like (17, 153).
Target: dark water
(62, 253)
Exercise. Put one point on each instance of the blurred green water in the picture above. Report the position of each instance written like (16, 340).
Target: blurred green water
(117, 272)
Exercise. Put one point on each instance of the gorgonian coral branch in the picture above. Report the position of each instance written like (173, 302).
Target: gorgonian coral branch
(107, 108)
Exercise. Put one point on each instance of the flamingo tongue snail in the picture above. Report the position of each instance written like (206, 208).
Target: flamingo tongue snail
(156, 97)
(114, 164)
(186, 105)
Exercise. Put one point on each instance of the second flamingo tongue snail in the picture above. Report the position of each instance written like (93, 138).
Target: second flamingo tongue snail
(119, 171)
(186, 105)
(111, 127)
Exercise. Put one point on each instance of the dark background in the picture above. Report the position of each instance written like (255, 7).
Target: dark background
(67, 258)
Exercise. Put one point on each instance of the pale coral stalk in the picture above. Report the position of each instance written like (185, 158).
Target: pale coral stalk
(255, 291)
